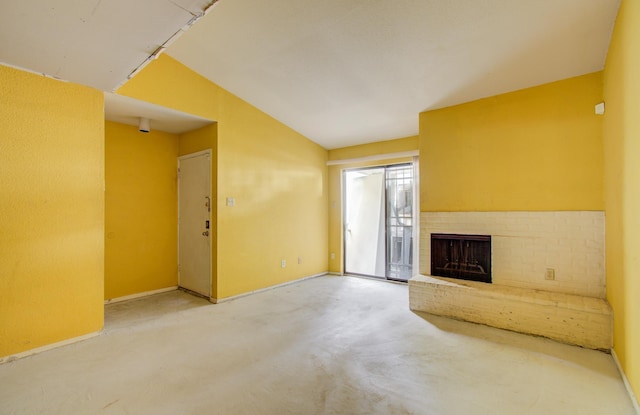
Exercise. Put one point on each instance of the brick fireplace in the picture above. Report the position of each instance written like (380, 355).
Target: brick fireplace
(524, 245)
(546, 271)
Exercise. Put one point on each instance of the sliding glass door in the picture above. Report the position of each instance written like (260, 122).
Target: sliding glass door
(378, 219)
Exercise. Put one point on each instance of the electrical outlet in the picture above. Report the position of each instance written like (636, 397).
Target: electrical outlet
(231, 201)
(550, 274)
(333, 255)
(283, 263)
(299, 260)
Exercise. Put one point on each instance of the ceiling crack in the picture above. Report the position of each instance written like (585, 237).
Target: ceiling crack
(161, 48)
(95, 8)
(186, 10)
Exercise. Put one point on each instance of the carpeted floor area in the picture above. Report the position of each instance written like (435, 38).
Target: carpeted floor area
(327, 345)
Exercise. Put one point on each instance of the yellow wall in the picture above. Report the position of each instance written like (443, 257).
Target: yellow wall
(51, 210)
(206, 138)
(335, 185)
(140, 210)
(168, 83)
(277, 177)
(537, 149)
(279, 181)
(622, 184)
(373, 149)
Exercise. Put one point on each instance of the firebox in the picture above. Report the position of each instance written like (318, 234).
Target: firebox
(466, 257)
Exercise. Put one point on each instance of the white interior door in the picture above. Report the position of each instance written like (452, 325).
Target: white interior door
(365, 222)
(194, 222)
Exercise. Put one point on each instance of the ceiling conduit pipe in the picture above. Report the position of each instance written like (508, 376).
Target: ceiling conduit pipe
(156, 53)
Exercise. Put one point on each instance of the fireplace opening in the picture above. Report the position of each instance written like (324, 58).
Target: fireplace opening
(466, 257)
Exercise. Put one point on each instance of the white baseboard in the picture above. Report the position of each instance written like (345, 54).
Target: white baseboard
(140, 295)
(51, 346)
(627, 385)
(235, 297)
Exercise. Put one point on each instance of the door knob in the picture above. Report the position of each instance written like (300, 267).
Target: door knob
(205, 233)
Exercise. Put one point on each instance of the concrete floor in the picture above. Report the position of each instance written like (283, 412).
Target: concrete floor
(329, 345)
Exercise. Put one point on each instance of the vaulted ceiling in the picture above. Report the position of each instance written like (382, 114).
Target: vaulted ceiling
(339, 72)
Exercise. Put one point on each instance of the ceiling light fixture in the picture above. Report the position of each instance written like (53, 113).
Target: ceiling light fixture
(145, 125)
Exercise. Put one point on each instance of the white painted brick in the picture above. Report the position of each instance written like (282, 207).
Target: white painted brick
(572, 319)
(524, 244)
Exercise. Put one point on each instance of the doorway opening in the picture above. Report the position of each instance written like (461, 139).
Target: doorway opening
(379, 221)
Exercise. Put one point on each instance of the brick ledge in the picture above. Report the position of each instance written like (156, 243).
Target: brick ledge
(584, 321)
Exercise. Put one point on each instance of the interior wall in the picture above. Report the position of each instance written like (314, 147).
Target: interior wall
(336, 242)
(168, 83)
(622, 181)
(206, 138)
(538, 149)
(397, 145)
(140, 210)
(277, 177)
(52, 210)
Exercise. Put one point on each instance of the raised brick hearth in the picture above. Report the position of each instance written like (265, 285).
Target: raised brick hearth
(570, 308)
(573, 319)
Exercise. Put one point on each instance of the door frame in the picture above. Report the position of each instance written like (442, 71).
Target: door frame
(207, 152)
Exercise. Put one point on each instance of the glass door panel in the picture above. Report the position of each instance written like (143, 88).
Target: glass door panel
(399, 221)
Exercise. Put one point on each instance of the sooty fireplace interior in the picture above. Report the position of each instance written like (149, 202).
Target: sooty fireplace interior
(466, 257)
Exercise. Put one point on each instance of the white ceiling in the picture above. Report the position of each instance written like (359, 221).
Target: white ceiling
(339, 72)
(125, 110)
(90, 42)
